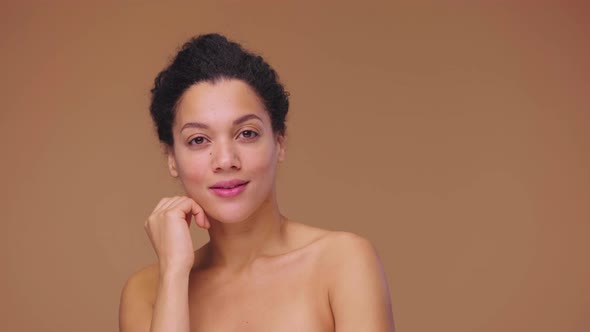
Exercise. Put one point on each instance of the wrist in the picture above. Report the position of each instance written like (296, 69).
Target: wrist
(174, 272)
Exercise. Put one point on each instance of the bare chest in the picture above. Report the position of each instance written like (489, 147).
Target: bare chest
(286, 295)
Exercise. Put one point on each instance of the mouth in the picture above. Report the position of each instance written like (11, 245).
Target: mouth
(229, 190)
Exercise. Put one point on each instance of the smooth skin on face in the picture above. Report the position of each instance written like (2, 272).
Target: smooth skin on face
(222, 132)
(260, 271)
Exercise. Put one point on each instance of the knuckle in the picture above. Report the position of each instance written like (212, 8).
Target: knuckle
(169, 213)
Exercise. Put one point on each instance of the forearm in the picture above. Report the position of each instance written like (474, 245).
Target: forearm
(171, 312)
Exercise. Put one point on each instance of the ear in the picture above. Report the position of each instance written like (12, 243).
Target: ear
(172, 162)
(281, 141)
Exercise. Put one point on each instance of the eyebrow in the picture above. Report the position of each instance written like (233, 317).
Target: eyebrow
(237, 121)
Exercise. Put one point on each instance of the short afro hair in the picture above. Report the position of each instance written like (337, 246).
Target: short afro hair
(211, 57)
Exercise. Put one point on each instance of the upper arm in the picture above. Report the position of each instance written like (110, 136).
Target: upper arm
(358, 290)
(135, 308)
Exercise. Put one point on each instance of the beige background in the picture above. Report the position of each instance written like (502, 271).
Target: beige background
(454, 136)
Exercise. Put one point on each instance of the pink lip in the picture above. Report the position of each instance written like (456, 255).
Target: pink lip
(231, 192)
(230, 183)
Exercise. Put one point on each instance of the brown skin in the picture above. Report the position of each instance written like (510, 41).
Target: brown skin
(260, 271)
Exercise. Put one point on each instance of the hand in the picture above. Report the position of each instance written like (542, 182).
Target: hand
(168, 230)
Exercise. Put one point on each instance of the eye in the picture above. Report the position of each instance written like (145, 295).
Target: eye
(249, 134)
(199, 140)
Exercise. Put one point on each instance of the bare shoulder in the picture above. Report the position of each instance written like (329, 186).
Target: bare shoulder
(357, 286)
(142, 285)
(341, 239)
(144, 282)
(341, 245)
(347, 259)
(137, 298)
(303, 235)
(334, 248)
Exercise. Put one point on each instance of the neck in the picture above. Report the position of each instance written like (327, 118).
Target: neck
(234, 247)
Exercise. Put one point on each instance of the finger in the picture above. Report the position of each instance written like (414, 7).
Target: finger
(200, 220)
(160, 203)
(189, 207)
(198, 212)
(188, 217)
(181, 203)
(207, 222)
(171, 203)
(163, 204)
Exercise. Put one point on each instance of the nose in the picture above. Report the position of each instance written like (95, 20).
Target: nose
(224, 156)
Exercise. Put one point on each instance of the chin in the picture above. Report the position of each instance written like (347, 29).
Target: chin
(229, 213)
(233, 210)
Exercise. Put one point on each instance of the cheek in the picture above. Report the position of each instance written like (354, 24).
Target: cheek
(195, 175)
(193, 170)
(262, 162)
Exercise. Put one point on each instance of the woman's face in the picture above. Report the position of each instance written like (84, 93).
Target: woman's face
(222, 132)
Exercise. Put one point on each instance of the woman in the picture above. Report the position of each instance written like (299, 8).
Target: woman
(220, 112)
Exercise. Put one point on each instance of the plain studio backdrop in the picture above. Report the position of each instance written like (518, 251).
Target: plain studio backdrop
(455, 136)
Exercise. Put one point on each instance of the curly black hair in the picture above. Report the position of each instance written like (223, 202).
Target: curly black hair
(211, 57)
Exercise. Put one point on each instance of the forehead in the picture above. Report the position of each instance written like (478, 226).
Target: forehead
(218, 102)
